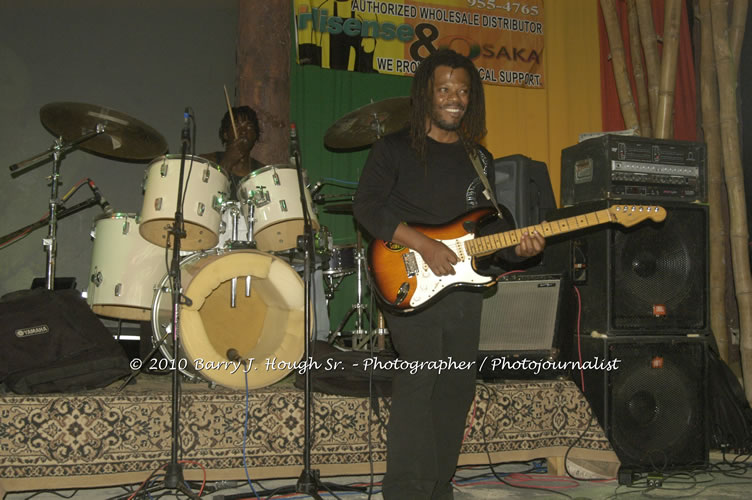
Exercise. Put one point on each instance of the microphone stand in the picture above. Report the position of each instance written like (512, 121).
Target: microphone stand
(63, 213)
(174, 478)
(309, 481)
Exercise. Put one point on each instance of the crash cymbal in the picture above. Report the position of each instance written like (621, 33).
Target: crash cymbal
(124, 137)
(368, 123)
(340, 208)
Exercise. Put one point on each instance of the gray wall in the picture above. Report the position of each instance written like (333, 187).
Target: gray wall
(148, 59)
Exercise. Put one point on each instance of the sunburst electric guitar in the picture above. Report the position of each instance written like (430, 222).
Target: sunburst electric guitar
(404, 282)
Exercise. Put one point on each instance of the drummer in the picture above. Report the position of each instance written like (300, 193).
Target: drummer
(236, 159)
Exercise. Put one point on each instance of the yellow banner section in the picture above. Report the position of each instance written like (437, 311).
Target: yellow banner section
(504, 39)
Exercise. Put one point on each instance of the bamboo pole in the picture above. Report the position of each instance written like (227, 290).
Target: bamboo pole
(732, 169)
(667, 86)
(619, 63)
(718, 234)
(652, 56)
(646, 128)
(736, 30)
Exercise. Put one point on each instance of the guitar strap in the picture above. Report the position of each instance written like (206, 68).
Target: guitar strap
(487, 191)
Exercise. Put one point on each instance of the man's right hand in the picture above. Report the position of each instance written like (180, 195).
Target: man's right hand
(439, 257)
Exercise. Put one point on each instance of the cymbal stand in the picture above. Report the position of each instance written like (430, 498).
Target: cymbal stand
(58, 150)
(360, 334)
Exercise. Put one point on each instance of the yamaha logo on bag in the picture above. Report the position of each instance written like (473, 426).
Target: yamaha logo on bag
(22, 333)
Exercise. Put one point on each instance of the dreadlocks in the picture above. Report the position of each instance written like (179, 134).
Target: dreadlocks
(473, 126)
(239, 113)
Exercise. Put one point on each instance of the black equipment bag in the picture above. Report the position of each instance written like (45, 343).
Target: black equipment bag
(53, 342)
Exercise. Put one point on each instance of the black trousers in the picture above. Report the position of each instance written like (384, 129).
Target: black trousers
(429, 407)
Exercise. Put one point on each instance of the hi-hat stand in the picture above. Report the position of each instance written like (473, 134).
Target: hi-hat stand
(360, 335)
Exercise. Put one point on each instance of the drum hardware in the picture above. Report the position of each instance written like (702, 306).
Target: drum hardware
(232, 211)
(91, 128)
(381, 332)
(360, 334)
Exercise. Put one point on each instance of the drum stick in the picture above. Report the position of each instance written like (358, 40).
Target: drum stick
(232, 118)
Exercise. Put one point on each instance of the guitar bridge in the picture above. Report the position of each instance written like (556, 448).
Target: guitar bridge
(411, 264)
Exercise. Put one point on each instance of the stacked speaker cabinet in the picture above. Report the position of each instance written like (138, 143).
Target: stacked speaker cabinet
(644, 296)
(651, 278)
(649, 394)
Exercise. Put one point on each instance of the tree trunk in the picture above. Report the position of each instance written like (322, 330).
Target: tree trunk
(665, 114)
(646, 128)
(619, 62)
(652, 56)
(264, 74)
(718, 233)
(732, 169)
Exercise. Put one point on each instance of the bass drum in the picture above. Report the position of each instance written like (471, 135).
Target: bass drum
(265, 329)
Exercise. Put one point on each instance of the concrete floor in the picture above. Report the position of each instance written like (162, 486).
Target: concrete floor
(530, 480)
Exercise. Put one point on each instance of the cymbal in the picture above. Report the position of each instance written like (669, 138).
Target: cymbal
(368, 123)
(123, 138)
(340, 208)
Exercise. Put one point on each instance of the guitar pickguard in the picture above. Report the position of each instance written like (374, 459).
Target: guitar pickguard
(429, 285)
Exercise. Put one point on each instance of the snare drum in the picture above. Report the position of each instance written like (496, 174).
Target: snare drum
(342, 260)
(278, 214)
(124, 269)
(266, 326)
(205, 188)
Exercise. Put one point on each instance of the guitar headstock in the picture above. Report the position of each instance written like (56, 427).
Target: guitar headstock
(629, 215)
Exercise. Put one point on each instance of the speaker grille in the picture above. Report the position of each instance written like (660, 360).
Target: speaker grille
(520, 316)
(661, 266)
(655, 401)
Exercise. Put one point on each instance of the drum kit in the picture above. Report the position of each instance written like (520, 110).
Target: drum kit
(247, 239)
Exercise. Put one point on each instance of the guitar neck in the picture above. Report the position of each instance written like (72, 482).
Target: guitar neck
(485, 245)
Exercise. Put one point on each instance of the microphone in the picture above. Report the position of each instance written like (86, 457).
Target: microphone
(294, 145)
(106, 207)
(234, 356)
(186, 135)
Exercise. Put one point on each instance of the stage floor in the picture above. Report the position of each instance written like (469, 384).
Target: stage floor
(105, 437)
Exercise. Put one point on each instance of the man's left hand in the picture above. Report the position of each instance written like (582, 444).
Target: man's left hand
(530, 245)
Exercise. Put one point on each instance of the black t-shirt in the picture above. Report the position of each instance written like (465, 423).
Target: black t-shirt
(395, 187)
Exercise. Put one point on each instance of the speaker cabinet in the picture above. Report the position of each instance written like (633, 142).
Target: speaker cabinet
(526, 323)
(524, 187)
(651, 277)
(650, 395)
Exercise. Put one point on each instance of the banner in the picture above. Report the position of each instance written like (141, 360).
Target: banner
(504, 39)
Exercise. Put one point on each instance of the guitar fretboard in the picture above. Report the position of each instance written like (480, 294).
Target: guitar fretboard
(484, 245)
